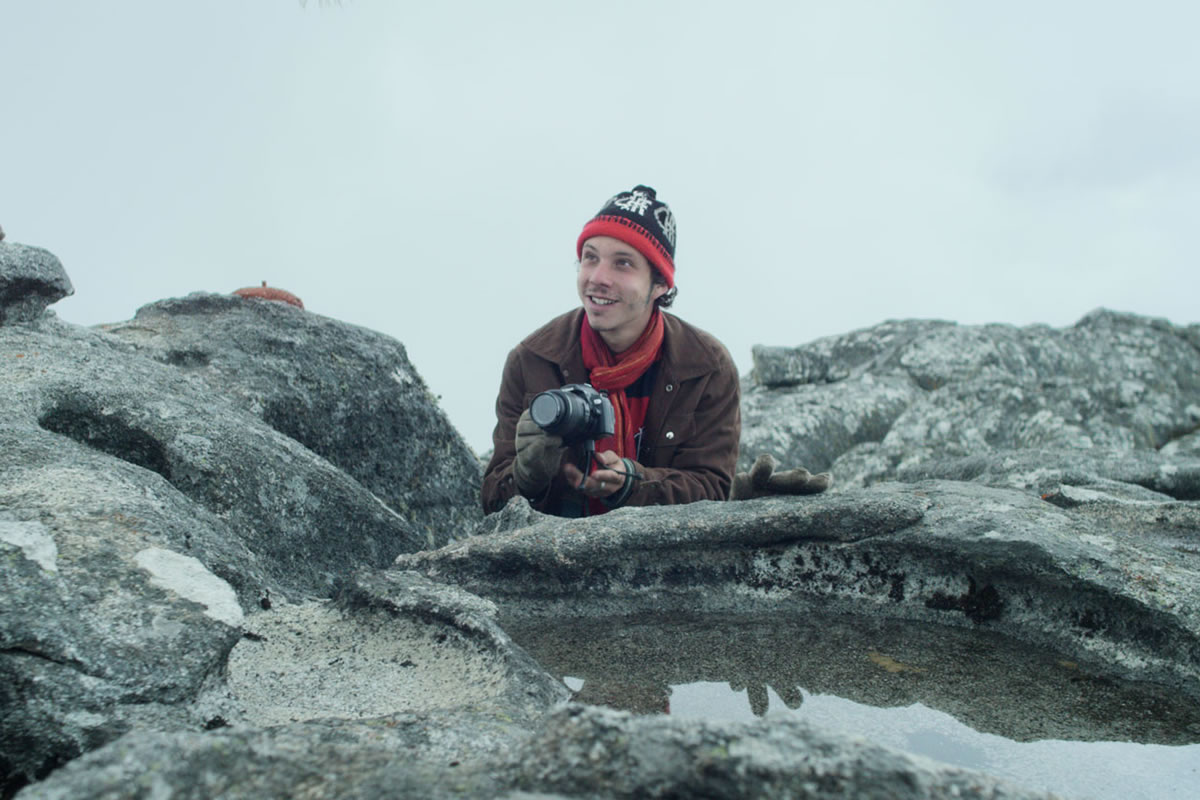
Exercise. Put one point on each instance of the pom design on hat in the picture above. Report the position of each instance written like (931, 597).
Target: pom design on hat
(640, 219)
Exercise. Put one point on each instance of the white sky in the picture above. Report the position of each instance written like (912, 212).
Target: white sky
(423, 169)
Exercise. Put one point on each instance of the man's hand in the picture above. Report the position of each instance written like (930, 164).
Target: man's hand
(603, 482)
(762, 480)
(538, 456)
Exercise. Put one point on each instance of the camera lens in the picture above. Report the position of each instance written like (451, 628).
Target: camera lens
(576, 412)
(547, 409)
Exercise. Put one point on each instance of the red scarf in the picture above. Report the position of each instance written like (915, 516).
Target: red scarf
(613, 372)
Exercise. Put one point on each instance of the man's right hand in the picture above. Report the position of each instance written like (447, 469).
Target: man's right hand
(538, 456)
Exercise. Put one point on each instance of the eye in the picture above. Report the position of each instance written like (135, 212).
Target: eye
(624, 263)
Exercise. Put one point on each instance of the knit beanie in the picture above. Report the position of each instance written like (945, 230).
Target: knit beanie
(641, 221)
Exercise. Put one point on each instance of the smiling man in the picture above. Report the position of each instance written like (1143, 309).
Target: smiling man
(673, 387)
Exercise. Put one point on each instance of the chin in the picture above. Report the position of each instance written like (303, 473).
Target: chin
(598, 325)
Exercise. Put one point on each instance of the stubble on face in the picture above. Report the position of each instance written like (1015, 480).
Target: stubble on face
(611, 270)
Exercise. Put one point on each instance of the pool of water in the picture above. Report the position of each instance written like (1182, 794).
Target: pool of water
(962, 696)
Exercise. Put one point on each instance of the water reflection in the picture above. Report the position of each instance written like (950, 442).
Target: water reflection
(991, 683)
(962, 696)
(1099, 770)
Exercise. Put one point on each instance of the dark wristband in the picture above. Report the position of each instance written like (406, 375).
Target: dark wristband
(615, 499)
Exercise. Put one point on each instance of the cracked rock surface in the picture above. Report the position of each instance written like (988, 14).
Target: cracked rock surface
(346, 393)
(872, 404)
(1114, 582)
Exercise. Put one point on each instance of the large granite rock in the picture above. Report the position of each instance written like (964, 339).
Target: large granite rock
(348, 394)
(1110, 581)
(871, 403)
(390, 643)
(102, 631)
(30, 280)
(80, 407)
(98, 645)
(578, 752)
(144, 510)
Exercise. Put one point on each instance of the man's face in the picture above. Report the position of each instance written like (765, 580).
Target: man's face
(616, 287)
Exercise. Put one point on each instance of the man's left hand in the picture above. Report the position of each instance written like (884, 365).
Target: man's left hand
(762, 480)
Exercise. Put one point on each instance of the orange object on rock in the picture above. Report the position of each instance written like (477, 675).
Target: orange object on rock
(270, 293)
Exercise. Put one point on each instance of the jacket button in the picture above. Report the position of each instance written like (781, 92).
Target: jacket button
(669, 387)
(670, 434)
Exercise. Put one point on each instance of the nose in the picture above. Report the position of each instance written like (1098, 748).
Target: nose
(601, 273)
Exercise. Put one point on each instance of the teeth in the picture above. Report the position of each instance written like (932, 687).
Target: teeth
(603, 301)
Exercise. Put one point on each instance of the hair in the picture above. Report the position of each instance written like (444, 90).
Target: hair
(667, 298)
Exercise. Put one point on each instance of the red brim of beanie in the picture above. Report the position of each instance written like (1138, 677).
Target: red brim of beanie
(633, 235)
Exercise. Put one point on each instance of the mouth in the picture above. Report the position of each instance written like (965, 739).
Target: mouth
(601, 301)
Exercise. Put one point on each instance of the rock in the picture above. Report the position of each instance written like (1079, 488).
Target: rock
(837, 358)
(87, 502)
(577, 752)
(946, 552)
(1186, 445)
(346, 393)
(870, 403)
(1136, 474)
(590, 752)
(397, 664)
(305, 520)
(392, 643)
(104, 628)
(515, 515)
(812, 426)
(134, 505)
(402, 755)
(30, 280)
(100, 644)
(143, 513)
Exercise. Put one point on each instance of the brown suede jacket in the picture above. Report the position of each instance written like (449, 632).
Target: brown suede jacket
(689, 444)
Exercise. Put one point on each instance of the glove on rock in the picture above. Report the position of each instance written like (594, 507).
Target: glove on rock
(538, 456)
(762, 480)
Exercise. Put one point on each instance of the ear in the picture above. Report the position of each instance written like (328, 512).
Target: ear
(657, 290)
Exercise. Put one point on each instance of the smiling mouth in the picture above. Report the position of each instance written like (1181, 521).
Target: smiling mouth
(601, 301)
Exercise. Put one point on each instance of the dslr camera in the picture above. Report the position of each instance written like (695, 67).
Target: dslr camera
(578, 412)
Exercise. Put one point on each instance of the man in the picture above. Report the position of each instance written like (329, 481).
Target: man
(673, 387)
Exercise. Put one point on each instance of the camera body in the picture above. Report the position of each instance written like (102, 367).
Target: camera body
(578, 412)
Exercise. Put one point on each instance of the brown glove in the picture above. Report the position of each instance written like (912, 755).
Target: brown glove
(762, 480)
(538, 456)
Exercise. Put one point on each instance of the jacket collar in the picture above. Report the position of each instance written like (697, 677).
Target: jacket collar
(558, 342)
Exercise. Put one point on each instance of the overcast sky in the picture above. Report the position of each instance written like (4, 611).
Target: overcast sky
(423, 169)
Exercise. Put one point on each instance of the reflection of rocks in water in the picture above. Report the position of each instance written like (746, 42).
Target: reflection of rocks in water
(631, 694)
(756, 693)
(989, 682)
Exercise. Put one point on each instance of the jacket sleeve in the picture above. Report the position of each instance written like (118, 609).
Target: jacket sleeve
(498, 482)
(701, 467)
(524, 375)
